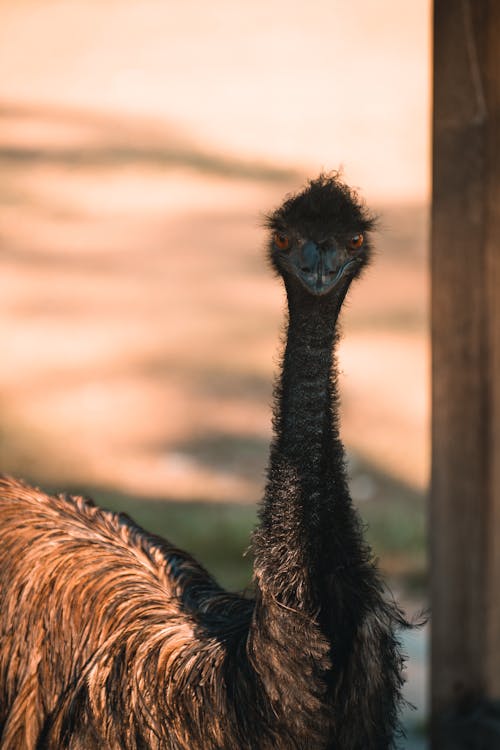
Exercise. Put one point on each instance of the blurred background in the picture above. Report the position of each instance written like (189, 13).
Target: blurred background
(141, 141)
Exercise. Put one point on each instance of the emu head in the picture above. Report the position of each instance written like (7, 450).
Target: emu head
(319, 238)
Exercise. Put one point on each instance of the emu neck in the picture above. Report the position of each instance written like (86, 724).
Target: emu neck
(303, 410)
(312, 573)
(300, 537)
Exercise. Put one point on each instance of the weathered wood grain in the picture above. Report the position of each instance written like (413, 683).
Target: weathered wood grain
(465, 308)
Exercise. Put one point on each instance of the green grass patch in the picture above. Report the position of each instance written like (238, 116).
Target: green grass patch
(218, 535)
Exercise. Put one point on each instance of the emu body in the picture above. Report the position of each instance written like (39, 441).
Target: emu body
(112, 638)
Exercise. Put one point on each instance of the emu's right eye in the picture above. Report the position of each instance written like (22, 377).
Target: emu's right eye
(282, 241)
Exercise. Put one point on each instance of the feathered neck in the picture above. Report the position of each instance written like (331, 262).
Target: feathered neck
(298, 535)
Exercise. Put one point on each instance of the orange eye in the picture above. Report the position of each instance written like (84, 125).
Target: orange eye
(356, 241)
(282, 241)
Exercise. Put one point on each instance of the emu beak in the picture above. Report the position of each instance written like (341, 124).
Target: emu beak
(319, 269)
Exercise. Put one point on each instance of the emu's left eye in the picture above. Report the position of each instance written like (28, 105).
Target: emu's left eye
(282, 241)
(356, 241)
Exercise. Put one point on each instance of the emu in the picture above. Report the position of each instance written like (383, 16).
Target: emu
(110, 637)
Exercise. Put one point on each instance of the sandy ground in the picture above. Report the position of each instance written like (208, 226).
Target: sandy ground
(140, 327)
(315, 84)
(139, 144)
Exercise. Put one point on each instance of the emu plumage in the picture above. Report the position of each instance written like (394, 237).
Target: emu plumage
(112, 638)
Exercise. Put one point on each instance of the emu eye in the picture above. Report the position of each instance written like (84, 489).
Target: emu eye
(356, 241)
(282, 241)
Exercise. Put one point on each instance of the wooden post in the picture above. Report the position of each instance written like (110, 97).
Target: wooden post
(465, 308)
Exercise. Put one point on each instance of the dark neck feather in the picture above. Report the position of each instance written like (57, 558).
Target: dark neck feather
(306, 518)
(322, 633)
